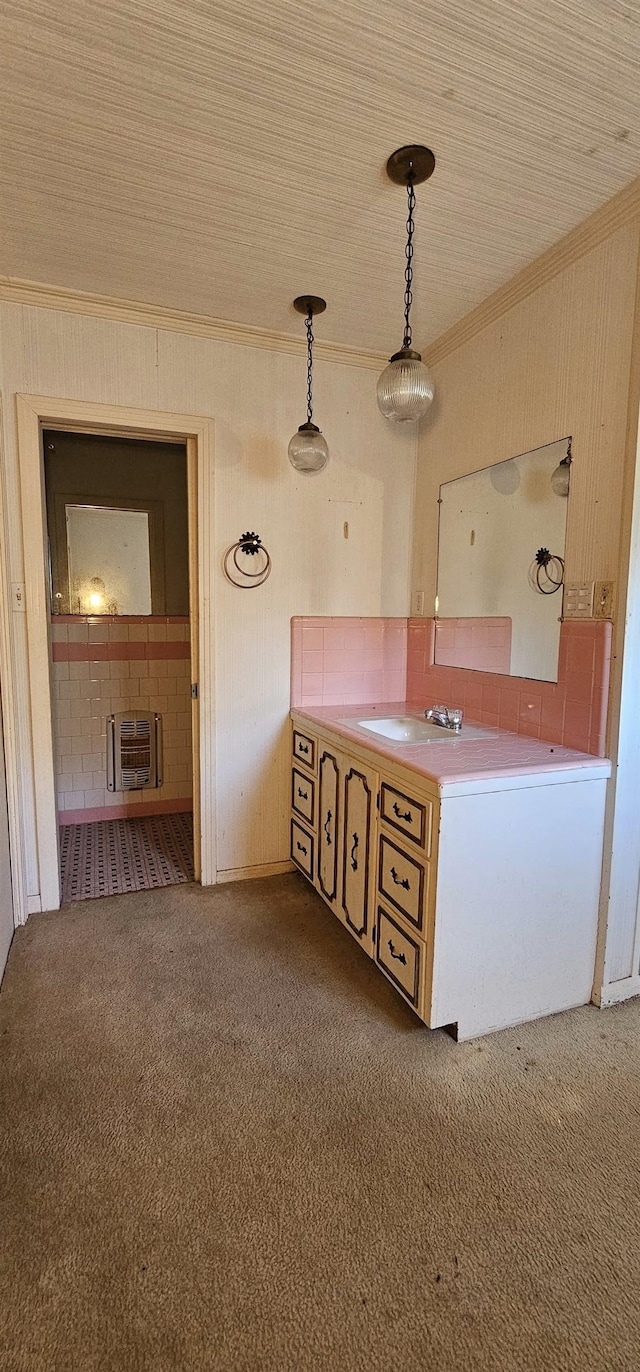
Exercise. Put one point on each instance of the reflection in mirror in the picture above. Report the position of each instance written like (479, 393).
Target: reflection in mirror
(498, 608)
(109, 561)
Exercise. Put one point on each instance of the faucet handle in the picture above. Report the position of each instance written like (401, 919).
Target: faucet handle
(456, 717)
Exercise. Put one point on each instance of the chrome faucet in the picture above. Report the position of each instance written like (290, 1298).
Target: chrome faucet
(447, 719)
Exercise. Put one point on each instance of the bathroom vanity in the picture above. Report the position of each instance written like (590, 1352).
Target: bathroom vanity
(467, 866)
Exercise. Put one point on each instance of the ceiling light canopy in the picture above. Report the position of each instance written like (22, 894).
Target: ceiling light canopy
(308, 451)
(405, 387)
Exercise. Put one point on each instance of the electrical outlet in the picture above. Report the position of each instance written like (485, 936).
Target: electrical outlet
(578, 600)
(418, 602)
(603, 600)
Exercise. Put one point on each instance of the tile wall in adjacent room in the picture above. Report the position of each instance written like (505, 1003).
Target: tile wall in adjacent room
(102, 666)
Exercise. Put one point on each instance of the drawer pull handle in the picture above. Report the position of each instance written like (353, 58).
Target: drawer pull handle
(400, 881)
(399, 957)
(303, 748)
(408, 817)
(304, 795)
(354, 860)
(301, 848)
(326, 828)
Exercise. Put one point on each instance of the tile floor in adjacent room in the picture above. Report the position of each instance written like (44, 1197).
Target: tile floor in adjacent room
(113, 857)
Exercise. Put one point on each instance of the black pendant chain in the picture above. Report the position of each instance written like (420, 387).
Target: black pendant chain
(408, 271)
(309, 327)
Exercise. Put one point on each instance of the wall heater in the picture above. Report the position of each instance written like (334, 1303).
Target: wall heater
(134, 750)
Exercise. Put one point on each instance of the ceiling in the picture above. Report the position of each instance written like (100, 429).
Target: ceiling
(223, 156)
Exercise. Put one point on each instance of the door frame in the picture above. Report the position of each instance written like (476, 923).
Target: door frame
(34, 413)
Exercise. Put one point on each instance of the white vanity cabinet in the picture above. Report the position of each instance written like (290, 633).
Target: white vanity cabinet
(478, 899)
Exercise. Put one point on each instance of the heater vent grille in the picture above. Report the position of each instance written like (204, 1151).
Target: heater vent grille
(134, 751)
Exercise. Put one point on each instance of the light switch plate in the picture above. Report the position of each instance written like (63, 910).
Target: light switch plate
(418, 602)
(578, 600)
(18, 596)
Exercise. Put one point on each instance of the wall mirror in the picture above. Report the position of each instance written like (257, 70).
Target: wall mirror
(501, 541)
(117, 522)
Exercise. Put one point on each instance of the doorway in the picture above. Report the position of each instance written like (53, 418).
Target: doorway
(118, 545)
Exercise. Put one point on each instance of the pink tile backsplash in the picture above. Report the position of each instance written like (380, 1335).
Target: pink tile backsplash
(347, 660)
(382, 659)
(571, 711)
(482, 643)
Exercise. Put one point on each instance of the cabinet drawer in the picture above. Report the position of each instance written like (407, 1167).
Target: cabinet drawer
(303, 796)
(401, 958)
(302, 848)
(407, 815)
(304, 749)
(402, 880)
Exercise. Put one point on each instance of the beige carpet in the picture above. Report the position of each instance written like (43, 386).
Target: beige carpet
(228, 1145)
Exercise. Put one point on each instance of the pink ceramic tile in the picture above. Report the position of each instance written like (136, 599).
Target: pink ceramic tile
(530, 710)
(334, 638)
(313, 660)
(577, 726)
(333, 660)
(312, 640)
(579, 686)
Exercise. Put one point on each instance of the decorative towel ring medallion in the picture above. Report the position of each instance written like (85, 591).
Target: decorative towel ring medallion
(250, 545)
(546, 573)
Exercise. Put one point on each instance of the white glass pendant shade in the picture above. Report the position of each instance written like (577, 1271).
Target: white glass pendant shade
(308, 451)
(560, 478)
(405, 387)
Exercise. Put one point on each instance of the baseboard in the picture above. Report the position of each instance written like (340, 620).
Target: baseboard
(263, 869)
(152, 807)
(617, 991)
(34, 905)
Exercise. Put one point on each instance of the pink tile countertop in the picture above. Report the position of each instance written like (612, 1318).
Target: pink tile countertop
(459, 760)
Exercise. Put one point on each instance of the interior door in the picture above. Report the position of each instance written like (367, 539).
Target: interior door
(6, 898)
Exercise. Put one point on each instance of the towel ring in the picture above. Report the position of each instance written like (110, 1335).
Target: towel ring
(546, 573)
(251, 545)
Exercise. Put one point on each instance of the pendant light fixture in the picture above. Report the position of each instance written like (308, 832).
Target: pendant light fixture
(561, 477)
(405, 388)
(308, 451)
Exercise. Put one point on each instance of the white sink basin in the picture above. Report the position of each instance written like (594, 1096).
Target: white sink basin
(409, 729)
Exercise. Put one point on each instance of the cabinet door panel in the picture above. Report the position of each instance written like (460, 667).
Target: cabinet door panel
(359, 789)
(328, 802)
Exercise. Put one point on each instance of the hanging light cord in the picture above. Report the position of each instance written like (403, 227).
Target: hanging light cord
(408, 271)
(309, 327)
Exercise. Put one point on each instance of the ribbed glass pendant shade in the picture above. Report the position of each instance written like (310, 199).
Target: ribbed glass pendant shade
(560, 478)
(308, 451)
(405, 388)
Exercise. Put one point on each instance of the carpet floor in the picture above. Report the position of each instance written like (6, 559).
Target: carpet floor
(227, 1145)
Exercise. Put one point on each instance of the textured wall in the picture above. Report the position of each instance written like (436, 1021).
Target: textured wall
(556, 363)
(256, 398)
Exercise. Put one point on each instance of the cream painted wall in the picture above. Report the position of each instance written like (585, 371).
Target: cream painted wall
(557, 363)
(561, 360)
(256, 398)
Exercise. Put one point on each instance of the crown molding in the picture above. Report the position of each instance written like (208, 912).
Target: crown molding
(621, 210)
(38, 293)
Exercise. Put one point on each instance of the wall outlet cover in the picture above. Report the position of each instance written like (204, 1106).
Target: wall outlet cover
(603, 600)
(418, 602)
